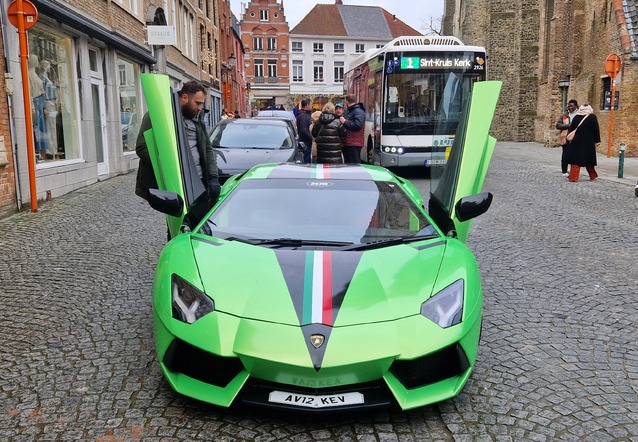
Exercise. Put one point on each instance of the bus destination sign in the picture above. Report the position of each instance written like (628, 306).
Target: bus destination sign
(465, 62)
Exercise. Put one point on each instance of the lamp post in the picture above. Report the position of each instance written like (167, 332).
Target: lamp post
(563, 85)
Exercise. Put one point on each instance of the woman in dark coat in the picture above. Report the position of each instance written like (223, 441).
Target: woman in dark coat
(327, 131)
(582, 149)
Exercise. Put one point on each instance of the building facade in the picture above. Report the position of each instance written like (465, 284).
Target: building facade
(328, 39)
(264, 34)
(84, 66)
(555, 51)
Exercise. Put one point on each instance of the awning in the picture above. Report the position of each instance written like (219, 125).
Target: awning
(68, 16)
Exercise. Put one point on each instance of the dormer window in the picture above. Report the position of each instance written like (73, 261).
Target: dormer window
(263, 15)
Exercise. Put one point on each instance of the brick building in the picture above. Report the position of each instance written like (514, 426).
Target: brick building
(264, 34)
(535, 44)
(7, 171)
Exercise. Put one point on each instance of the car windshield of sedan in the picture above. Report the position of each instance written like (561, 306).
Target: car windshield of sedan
(339, 211)
(251, 136)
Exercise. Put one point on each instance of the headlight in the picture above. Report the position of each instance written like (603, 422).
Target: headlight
(446, 307)
(189, 303)
(391, 149)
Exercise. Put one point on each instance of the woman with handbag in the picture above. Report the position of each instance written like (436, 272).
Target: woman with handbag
(562, 124)
(582, 148)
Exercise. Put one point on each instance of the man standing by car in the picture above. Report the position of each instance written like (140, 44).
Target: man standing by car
(191, 99)
(303, 128)
(354, 122)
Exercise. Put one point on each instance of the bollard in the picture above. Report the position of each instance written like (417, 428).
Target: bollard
(621, 159)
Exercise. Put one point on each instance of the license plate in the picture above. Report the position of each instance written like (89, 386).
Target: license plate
(432, 162)
(315, 401)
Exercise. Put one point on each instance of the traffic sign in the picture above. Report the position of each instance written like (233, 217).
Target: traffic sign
(28, 12)
(613, 64)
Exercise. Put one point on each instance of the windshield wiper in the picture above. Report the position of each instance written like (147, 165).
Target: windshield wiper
(289, 242)
(389, 242)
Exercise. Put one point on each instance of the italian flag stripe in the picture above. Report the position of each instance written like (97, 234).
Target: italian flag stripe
(307, 290)
(327, 288)
(322, 171)
(317, 299)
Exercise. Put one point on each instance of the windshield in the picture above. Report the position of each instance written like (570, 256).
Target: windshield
(416, 103)
(424, 90)
(251, 136)
(347, 211)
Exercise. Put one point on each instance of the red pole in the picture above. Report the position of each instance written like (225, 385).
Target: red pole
(611, 116)
(26, 93)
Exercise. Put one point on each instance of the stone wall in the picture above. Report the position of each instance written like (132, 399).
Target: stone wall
(532, 44)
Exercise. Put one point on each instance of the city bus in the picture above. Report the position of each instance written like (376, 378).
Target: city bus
(412, 90)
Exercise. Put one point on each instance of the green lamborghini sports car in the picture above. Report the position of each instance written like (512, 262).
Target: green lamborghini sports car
(318, 287)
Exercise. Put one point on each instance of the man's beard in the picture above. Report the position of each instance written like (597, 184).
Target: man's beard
(188, 112)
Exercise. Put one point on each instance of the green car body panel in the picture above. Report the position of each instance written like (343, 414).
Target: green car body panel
(260, 323)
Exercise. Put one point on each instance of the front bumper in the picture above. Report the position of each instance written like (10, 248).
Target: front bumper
(411, 361)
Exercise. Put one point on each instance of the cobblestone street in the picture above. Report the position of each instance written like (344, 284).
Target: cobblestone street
(558, 357)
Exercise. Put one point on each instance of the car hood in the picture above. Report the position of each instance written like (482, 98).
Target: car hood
(239, 160)
(335, 288)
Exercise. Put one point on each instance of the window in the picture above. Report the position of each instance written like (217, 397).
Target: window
(272, 44)
(379, 46)
(259, 70)
(297, 46)
(339, 48)
(339, 68)
(606, 104)
(258, 44)
(359, 48)
(318, 71)
(130, 102)
(297, 70)
(55, 116)
(272, 68)
(317, 47)
(263, 15)
(134, 6)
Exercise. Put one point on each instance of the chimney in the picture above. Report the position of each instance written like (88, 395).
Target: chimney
(338, 2)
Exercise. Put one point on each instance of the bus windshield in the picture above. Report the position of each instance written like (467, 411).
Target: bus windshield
(418, 102)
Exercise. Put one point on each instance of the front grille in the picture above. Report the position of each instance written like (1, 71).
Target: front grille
(443, 364)
(201, 365)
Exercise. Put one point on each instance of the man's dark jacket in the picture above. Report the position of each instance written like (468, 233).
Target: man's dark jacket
(145, 176)
(303, 127)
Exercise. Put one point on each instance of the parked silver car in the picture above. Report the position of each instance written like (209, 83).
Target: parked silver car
(245, 142)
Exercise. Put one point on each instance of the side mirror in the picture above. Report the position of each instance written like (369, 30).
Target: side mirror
(166, 202)
(472, 206)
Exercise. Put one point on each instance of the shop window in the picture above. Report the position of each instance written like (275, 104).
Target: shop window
(129, 91)
(54, 99)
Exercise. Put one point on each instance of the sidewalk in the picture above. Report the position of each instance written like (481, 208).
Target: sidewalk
(531, 152)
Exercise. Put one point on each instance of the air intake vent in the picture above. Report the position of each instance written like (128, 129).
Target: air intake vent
(430, 40)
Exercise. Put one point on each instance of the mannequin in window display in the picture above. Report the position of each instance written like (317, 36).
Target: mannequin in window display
(50, 106)
(36, 88)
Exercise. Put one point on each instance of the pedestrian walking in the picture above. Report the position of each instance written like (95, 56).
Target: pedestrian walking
(303, 128)
(327, 131)
(582, 148)
(191, 99)
(354, 121)
(562, 124)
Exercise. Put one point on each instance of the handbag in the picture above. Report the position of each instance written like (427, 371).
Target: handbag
(570, 136)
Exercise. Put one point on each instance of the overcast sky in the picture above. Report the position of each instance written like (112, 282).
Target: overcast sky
(412, 12)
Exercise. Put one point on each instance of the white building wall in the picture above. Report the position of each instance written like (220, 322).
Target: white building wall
(308, 86)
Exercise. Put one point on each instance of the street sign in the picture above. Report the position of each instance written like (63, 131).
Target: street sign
(28, 11)
(613, 64)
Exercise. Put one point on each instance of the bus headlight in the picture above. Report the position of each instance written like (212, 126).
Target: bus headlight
(393, 149)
